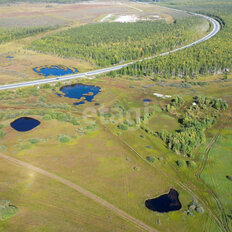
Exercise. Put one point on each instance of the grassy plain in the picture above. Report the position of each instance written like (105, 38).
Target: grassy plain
(108, 162)
(45, 205)
(117, 170)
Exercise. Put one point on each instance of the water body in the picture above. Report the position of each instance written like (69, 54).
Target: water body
(81, 92)
(55, 70)
(24, 124)
(147, 100)
(165, 203)
(9, 57)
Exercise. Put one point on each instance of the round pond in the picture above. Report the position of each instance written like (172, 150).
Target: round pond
(24, 124)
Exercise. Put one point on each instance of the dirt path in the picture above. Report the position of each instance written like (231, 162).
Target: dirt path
(83, 191)
(181, 184)
(198, 175)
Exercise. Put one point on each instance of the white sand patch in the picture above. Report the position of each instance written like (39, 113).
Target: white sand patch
(126, 19)
(161, 95)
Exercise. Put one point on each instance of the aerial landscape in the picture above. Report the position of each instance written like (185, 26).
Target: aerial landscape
(115, 116)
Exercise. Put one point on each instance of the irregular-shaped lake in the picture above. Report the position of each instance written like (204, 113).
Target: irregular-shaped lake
(55, 70)
(165, 203)
(81, 92)
(24, 124)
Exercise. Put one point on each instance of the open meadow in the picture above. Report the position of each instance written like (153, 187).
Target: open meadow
(90, 154)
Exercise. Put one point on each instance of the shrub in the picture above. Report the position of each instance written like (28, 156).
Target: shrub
(75, 122)
(63, 139)
(229, 178)
(128, 123)
(47, 117)
(137, 169)
(199, 209)
(91, 127)
(195, 206)
(61, 117)
(150, 159)
(191, 164)
(181, 163)
(7, 210)
(138, 121)
(45, 86)
(122, 126)
(34, 141)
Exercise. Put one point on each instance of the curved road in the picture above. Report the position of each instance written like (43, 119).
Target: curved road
(216, 29)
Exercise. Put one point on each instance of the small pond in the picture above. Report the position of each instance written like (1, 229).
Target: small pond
(165, 203)
(81, 92)
(55, 70)
(24, 124)
(9, 57)
(147, 100)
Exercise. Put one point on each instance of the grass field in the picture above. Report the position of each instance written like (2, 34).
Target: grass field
(45, 205)
(117, 170)
(218, 168)
(92, 151)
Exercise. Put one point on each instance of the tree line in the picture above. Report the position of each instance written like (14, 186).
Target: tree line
(9, 34)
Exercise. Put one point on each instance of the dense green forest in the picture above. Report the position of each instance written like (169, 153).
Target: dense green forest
(211, 57)
(9, 34)
(111, 43)
(36, 1)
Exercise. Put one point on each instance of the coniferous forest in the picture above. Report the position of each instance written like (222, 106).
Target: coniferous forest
(211, 57)
(112, 43)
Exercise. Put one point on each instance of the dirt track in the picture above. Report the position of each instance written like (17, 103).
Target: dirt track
(83, 191)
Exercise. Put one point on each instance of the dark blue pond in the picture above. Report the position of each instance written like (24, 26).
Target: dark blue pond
(165, 203)
(147, 100)
(24, 124)
(81, 92)
(55, 70)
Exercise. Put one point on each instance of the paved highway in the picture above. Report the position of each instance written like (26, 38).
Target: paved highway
(216, 29)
